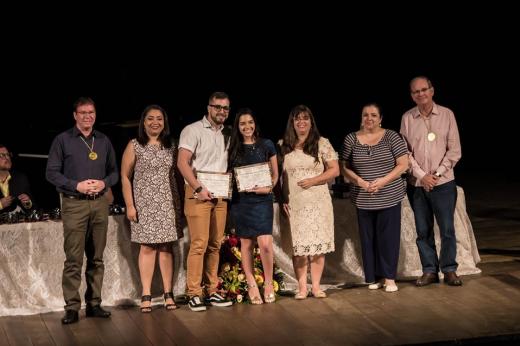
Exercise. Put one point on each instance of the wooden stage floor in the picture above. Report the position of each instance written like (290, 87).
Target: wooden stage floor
(486, 307)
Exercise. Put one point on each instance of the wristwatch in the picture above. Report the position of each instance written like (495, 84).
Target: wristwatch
(198, 189)
(437, 174)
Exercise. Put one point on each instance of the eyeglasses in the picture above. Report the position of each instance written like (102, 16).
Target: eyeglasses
(86, 113)
(5, 155)
(423, 90)
(301, 117)
(221, 108)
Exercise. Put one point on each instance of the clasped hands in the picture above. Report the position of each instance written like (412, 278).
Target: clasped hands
(429, 181)
(372, 186)
(91, 186)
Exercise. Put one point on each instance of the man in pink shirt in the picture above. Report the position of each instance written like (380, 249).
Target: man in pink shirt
(433, 141)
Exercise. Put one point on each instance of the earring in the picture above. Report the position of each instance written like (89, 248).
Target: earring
(380, 125)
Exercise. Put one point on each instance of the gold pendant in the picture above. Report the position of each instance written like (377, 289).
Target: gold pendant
(431, 136)
(92, 155)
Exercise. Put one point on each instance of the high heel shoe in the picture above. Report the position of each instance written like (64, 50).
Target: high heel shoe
(169, 306)
(255, 300)
(270, 297)
(146, 309)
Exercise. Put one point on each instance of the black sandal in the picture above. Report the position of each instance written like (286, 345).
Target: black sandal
(169, 295)
(146, 309)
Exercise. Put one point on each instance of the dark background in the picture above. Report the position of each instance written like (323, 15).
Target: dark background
(334, 68)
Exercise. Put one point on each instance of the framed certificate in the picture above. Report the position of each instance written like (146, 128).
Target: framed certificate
(219, 184)
(249, 176)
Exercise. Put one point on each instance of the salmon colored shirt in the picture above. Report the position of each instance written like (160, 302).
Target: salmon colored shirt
(437, 156)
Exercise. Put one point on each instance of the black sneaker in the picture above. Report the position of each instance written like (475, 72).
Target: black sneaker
(216, 299)
(196, 304)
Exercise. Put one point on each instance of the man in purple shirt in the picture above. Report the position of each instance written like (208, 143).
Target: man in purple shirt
(82, 165)
(433, 141)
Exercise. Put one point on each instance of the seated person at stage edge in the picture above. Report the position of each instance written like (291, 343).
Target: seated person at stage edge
(14, 186)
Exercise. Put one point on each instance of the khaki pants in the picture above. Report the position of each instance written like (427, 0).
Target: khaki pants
(206, 224)
(85, 225)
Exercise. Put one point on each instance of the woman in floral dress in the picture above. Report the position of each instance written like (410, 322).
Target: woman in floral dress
(152, 203)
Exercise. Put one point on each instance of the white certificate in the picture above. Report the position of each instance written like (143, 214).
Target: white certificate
(219, 184)
(249, 176)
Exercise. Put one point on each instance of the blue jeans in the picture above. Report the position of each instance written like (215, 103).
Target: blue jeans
(441, 203)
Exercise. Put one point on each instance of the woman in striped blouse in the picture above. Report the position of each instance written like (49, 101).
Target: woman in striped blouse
(373, 160)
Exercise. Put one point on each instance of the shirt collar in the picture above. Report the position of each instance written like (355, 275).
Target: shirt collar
(435, 111)
(6, 179)
(76, 132)
(207, 124)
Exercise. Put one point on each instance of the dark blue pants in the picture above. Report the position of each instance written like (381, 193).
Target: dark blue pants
(440, 202)
(380, 234)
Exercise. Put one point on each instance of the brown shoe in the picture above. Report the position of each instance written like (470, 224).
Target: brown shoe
(452, 279)
(426, 279)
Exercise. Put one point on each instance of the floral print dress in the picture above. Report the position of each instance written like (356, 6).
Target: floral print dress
(155, 198)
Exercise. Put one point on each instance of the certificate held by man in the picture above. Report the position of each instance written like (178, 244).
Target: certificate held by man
(219, 184)
(250, 176)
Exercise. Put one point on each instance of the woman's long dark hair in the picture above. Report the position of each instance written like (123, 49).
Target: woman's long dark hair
(290, 138)
(235, 146)
(164, 136)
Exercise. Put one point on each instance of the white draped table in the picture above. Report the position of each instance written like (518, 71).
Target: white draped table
(31, 259)
(344, 266)
(31, 265)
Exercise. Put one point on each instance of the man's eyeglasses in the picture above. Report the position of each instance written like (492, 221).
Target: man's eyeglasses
(5, 155)
(221, 108)
(423, 90)
(86, 113)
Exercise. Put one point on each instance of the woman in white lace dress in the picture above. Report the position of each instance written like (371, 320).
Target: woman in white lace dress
(309, 162)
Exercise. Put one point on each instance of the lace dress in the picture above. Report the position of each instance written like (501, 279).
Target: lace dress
(312, 219)
(155, 198)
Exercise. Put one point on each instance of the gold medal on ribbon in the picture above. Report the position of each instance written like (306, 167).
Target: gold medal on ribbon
(92, 155)
(431, 136)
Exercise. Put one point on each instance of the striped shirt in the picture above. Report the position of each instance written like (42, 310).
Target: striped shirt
(375, 161)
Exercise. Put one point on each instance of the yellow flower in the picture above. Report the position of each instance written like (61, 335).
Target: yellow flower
(241, 277)
(259, 280)
(226, 267)
(276, 287)
(236, 252)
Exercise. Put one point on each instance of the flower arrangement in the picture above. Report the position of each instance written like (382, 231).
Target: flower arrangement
(232, 280)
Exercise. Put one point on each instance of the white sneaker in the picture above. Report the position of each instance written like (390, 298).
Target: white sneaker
(375, 286)
(391, 288)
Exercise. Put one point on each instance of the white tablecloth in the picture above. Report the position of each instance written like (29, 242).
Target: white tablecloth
(31, 259)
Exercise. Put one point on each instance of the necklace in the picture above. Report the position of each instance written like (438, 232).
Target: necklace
(431, 135)
(92, 154)
(426, 118)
